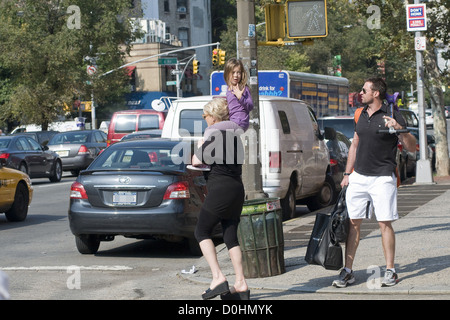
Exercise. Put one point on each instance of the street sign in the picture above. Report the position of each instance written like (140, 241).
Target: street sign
(167, 61)
(171, 83)
(420, 43)
(91, 70)
(416, 17)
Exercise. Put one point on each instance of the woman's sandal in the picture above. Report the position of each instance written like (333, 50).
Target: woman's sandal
(236, 295)
(221, 288)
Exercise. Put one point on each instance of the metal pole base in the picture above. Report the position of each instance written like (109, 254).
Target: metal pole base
(423, 172)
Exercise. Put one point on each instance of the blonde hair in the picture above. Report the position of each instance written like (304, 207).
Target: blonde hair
(217, 108)
(228, 71)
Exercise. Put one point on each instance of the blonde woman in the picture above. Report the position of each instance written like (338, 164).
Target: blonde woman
(225, 198)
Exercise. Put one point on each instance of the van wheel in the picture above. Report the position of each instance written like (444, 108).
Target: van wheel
(288, 203)
(325, 197)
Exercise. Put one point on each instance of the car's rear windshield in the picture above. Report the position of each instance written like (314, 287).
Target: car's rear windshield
(346, 126)
(70, 137)
(192, 123)
(4, 143)
(149, 158)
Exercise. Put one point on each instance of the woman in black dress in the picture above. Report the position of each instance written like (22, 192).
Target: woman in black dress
(221, 149)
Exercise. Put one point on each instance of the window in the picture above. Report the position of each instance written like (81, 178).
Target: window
(125, 123)
(284, 122)
(192, 123)
(148, 121)
(34, 145)
(22, 145)
(182, 6)
(166, 6)
(183, 36)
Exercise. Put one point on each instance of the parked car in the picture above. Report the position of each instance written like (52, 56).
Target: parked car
(343, 124)
(429, 118)
(43, 137)
(138, 189)
(78, 149)
(145, 134)
(431, 144)
(406, 161)
(294, 158)
(410, 117)
(16, 193)
(338, 145)
(27, 155)
(128, 121)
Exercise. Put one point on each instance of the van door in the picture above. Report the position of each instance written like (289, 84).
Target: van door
(290, 146)
(313, 167)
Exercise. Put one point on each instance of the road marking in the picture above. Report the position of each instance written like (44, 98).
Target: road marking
(65, 268)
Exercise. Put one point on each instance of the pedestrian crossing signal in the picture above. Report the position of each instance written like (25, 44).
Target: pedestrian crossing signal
(306, 19)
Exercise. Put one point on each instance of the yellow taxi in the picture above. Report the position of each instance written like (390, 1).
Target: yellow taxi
(16, 193)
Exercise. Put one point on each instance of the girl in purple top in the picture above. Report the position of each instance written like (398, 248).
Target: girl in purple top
(239, 99)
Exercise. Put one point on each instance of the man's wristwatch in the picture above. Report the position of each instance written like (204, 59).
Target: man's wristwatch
(346, 174)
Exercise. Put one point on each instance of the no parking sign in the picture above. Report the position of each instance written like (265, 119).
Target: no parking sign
(91, 70)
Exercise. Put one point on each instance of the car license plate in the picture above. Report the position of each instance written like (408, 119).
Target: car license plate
(124, 198)
(63, 153)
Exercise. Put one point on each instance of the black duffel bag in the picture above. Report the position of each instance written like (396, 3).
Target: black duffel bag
(339, 218)
(323, 249)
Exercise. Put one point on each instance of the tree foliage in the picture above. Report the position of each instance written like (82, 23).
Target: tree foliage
(42, 48)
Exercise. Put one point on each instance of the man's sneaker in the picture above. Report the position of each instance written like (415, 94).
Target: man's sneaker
(390, 279)
(345, 278)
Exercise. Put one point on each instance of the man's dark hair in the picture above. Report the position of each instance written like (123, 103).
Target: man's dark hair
(378, 84)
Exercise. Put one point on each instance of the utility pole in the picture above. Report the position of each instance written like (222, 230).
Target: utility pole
(423, 165)
(247, 48)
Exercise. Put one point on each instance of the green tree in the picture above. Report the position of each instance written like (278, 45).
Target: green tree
(42, 48)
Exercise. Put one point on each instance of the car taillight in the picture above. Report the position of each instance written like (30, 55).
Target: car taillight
(4, 155)
(83, 150)
(275, 161)
(77, 191)
(417, 147)
(333, 162)
(178, 190)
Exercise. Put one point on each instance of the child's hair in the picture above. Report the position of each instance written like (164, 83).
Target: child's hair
(228, 70)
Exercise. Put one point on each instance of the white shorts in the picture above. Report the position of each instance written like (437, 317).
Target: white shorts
(366, 194)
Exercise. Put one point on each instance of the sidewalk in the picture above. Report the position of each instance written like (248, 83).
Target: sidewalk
(422, 257)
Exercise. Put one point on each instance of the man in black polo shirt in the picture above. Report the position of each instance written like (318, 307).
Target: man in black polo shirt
(370, 176)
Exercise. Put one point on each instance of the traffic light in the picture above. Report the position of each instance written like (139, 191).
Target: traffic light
(215, 57)
(221, 57)
(337, 65)
(196, 63)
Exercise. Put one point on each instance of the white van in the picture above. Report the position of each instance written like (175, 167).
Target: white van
(294, 157)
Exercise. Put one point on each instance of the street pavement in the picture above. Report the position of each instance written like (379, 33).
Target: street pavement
(422, 252)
